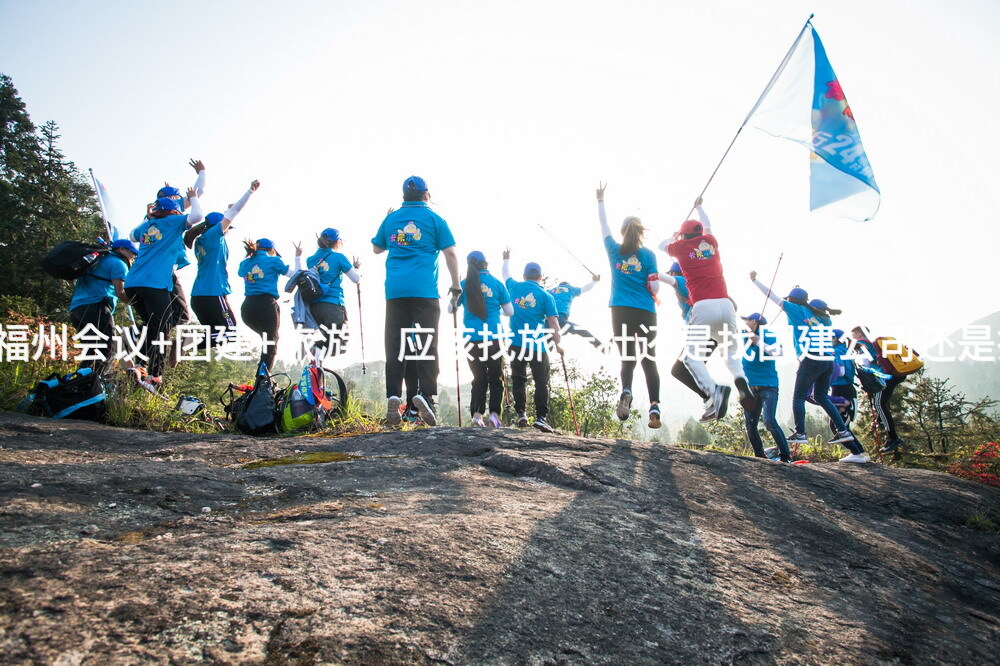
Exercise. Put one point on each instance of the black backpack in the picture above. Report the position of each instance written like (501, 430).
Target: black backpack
(253, 412)
(72, 259)
(78, 395)
(309, 287)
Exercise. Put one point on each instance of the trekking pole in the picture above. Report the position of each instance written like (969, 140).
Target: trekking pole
(361, 329)
(767, 296)
(458, 381)
(567, 250)
(572, 407)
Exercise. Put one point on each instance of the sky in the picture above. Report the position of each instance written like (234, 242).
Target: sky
(514, 111)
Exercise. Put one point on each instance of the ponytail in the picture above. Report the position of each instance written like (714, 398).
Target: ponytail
(632, 236)
(474, 301)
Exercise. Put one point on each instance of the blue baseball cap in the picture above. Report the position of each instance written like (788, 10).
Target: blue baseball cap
(838, 333)
(125, 243)
(168, 192)
(757, 317)
(476, 256)
(414, 183)
(265, 244)
(214, 218)
(675, 268)
(331, 234)
(798, 293)
(533, 270)
(166, 203)
(818, 304)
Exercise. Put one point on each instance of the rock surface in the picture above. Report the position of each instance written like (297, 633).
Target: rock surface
(478, 546)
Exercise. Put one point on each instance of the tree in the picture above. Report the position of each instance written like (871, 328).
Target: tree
(945, 419)
(43, 200)
(694, 433)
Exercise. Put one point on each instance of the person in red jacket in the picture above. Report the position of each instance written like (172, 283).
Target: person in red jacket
(712, 311)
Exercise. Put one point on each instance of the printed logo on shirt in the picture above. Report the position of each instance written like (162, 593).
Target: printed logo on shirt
(703, 251)
(526, 302)
(322, 267)
(630, 265)
(151, 235)
(199, 250)
(561, 289)
(487, 292)
(255, 274)
(407, 235)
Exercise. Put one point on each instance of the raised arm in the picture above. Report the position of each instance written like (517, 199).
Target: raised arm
(196, 215)
(767, 292)
(235, 209)
(706, 224)
(594, 279)
(505, 271)
(601, 214)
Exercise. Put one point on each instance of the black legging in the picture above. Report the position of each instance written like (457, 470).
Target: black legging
(883, 401)
(627, 324)
(214, 311)
(155, 310)
(261, 313)
(485, 374)
(539, 373)
(99, 315)
(332, 320)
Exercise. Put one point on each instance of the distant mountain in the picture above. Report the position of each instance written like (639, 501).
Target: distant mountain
(976, 379)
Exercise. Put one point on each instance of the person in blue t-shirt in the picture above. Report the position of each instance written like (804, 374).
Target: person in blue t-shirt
(565, 294)
(413, 236)
(260, 311)
(210, 292)
(484, 298)
(811, 327)
(535, 319)
(634, 285)
(329, 310)
(95, 297)
(762, 377)
(842, 386)
(150, 282)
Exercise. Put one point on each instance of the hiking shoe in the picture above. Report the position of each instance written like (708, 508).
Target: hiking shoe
(856, 458)
(411, 416)
(797, 438)
(709, 414)
(542, 425)
(424, 409)
(392, 411)
(654, 416)
(842, 436)
(477, 421)
(747, 399)
(892, 446)
(624, 405)
(494, 421)
(522, 420)
(719, 404)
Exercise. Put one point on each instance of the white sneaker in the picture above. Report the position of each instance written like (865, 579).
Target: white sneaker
(392, 411)
(477, 421)
(709, 414)
(797, 438)
(624, 405)
(842, 436)
(495, 421)
(424, 409)
(856, 458)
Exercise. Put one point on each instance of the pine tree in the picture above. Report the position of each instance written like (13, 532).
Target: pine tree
(44, 200)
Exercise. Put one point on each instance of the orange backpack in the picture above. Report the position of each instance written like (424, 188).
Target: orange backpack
(896, 358)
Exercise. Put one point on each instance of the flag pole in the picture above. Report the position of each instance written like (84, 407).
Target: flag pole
(767, 89)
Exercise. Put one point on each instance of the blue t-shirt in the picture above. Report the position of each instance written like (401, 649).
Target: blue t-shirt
(90, 288)
(564, 295)
(683, 296)
(330, 266)
(495, 295)
(805, 336)
(161, 242)
(846, 379)
(260, 273)
(761, 371)
(532, 305)
(628, 276)
(212, 253)
(413, 237)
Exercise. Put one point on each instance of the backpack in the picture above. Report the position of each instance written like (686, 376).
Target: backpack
(253, 412)
(72, 259)
(900, 360)
(310, 402)
(309, 286)
(872, 380)
(78, 395)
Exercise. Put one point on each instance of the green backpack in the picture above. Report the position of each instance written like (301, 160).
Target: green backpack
(311, 402)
